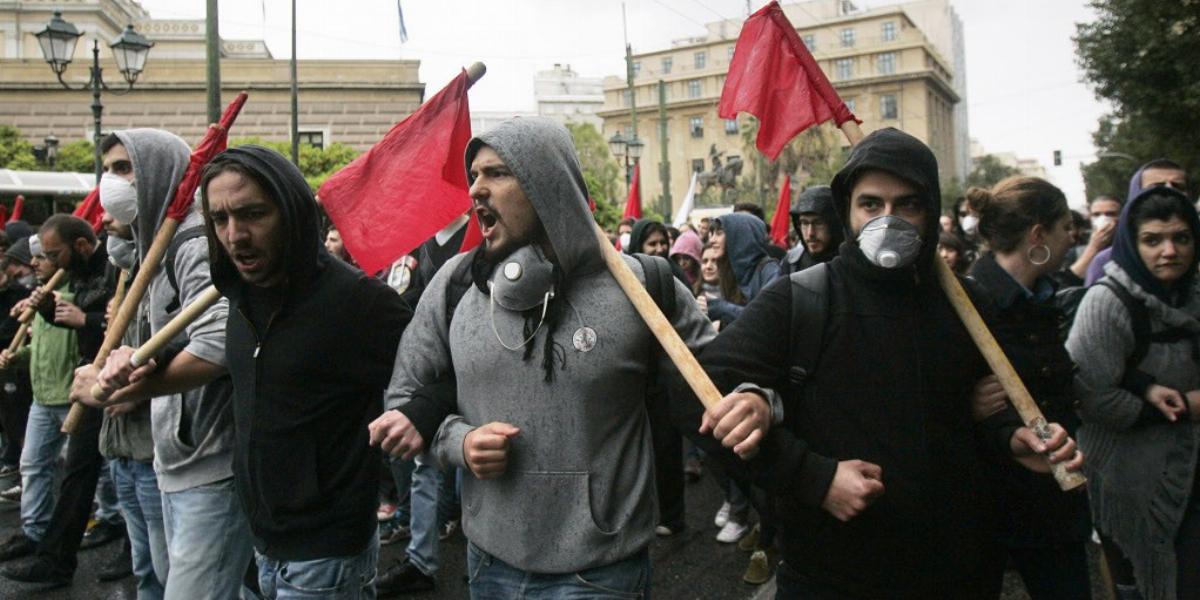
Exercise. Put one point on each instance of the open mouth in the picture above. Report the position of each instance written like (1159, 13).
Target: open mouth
(487, 220)
(247, 261)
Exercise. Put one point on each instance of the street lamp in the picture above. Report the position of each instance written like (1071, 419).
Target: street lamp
(626, 149)
(51, 150)
(58, 41)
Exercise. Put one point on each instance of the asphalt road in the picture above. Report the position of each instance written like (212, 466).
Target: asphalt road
(690, 565)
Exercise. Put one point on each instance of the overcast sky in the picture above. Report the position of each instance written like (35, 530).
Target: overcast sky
(1024, 92)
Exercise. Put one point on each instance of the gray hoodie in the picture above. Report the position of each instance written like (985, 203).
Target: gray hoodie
(193, 431)
(579, 488)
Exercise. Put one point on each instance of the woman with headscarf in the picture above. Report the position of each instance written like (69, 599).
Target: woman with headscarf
(1136, 339)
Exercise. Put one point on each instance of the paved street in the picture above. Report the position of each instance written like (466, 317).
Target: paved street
(689, 566)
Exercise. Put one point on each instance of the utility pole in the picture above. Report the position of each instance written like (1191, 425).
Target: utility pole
(295, 96)
(664, 165)
(213, 55)
(629, 75)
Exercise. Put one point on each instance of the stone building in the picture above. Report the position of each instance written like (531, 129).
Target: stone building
(354, 102)
(890, 72)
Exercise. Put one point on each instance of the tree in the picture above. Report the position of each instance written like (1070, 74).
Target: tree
(76, 157)
(988, 171)
(600, 172)
(316, 164)
(816, 155)
(1140, 55)
(15, 151)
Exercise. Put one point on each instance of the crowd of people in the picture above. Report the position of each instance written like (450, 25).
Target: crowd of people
(862, 447)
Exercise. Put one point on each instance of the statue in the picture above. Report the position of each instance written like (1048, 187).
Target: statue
(723, 176)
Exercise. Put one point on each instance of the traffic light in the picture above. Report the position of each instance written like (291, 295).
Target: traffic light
(1058, 158)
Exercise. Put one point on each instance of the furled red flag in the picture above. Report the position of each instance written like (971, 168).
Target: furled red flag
(782, 219)
(91, 211)
(213, 143)
(774, 77)
(408, 186)
(633, 204)
(18, 208)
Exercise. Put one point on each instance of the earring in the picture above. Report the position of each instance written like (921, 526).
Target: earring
(1029, 255)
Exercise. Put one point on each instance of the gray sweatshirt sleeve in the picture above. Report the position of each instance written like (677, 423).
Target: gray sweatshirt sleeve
(1100, 342)
(206, 335)
(423, 358)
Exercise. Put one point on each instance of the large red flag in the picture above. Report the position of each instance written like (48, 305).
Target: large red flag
(91, 211)
(774, 77)
(782, 221)
(633, 204)
(408, 186)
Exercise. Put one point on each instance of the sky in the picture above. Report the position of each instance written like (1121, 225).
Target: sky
(1024, 89)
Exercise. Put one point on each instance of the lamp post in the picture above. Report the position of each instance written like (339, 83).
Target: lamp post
(51, 150)
(58, 41)
(626, 150)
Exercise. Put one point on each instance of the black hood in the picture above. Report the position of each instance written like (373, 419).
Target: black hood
(901, 155)
(641, 230)
(304, 254)
(818, 199)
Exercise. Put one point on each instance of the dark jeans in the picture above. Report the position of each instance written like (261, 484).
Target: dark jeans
(1055, 572)
(668, 459)
(490, 578)
(74, 507)
(15, 399)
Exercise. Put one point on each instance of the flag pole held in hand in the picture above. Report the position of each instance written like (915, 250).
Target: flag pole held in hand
(212, 144)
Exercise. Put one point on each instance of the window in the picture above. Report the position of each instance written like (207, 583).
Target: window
(316, 139)
(667, 63)
(887, 106)
(731, 126)
(626, 98)
(848, 37)
(697, 165)
(886, 63)
(694, 88)
(844, 68)
(696, 126)
(810, 42)
(637, 68)
(889, 31)
(701, 59)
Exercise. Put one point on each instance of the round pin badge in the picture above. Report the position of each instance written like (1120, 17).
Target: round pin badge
(584, 339)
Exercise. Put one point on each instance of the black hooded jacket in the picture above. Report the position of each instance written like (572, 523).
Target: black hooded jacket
(891, 386)
(309, 362)
(817, 199)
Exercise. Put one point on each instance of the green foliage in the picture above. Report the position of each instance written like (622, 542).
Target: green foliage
(952, 190)
(601, 173)
(988, 171)
(815, 156)
(76, 157)
(1140, 55)
(15, 152)
(317, 164)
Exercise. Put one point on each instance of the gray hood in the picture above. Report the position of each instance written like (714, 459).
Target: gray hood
(159, 161)
(542, 156)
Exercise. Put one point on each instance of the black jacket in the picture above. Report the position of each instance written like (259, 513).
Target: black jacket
(892, 387)
(309, 363)
(1034, 511)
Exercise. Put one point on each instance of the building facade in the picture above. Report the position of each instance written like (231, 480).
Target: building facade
(889, 72)
(566, 97)
(353, 102)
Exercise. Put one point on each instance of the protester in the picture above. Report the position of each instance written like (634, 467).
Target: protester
(303, 469)
(16, 281)
(817, 224)
(751, 208)
(1026, 225)
(1161, 171)
(743, 239)
(624, 230)
(1102, 215)
(207, 536)
(686, 254)
(559, 495)
(876, 465)
(70, 244)
(1135, 338)
(333, 243)
(953, 250)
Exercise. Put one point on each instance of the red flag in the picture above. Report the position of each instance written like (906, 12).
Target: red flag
(633, 204)
(782, 219)
(18, 208)
(91, 211)
(210, 145)
(408, 186)
(3, 213)
(774, 77)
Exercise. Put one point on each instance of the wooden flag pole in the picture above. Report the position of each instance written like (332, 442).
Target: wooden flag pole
(47, 288)
(1022, 401)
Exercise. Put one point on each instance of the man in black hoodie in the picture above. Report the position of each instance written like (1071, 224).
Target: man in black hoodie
(308, 375)
(818, 227)
(876, 465)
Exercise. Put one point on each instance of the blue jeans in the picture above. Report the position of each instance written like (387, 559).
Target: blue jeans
(337, 578)
(208, 540)
(492, 579)
(39, 463)
(140, 500)
(424, 493)
(402, 474)
(108, 507)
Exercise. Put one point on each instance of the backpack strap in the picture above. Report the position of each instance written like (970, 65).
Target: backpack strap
(810, 316)
(177, 242)
(1141, 322)
(660, 282)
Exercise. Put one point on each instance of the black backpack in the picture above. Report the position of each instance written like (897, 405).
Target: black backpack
(1143, 336)
(810, 316)
(177, 242)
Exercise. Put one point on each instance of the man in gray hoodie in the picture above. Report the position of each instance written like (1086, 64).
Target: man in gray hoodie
(208, 538)
(550, 363)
